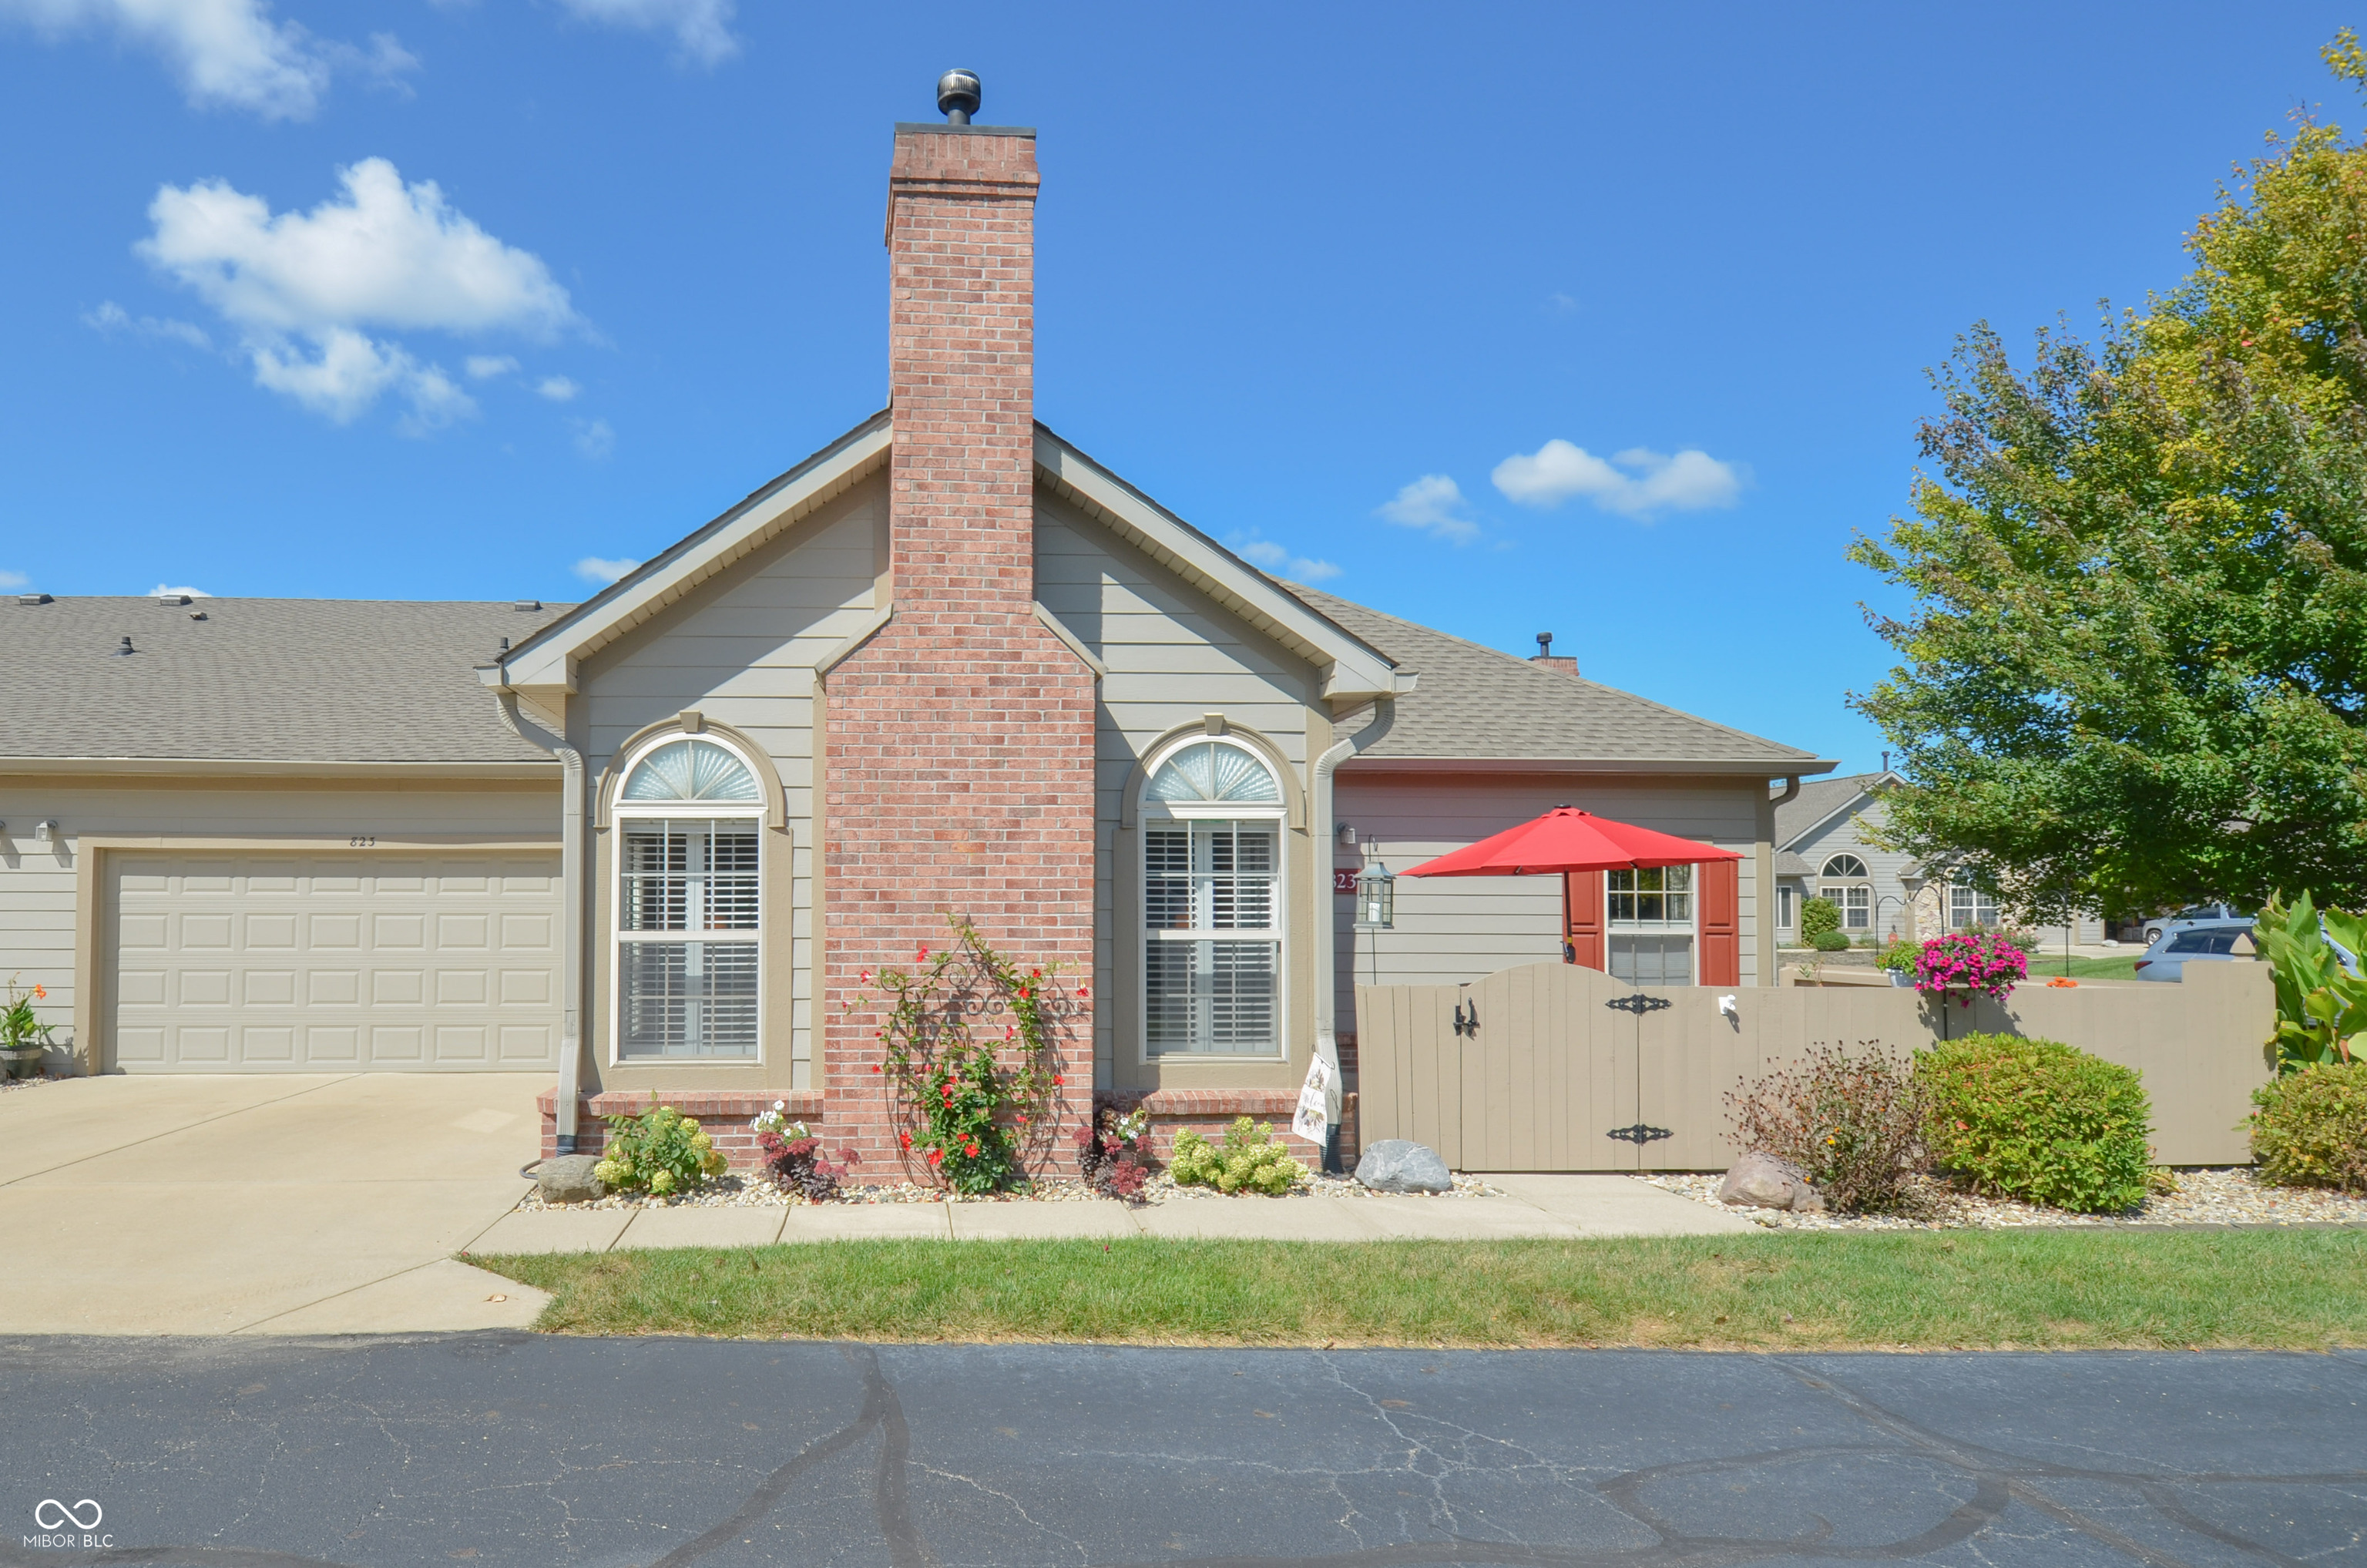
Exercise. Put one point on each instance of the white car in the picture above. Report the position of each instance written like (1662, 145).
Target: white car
(2193, 915)
(2169, 954)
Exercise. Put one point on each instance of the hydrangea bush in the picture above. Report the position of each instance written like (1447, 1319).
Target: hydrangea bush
(660, 1151)
(1249, 1158)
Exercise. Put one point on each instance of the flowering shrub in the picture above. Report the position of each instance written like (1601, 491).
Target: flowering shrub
(978, 1109)
(18, 1027)
(795, 1156)
(1968, 962)
(2038, 1121)
(1250, 1158)
(1112, 1152)
(2311, 1128)
(658, 1152)
(1852, 1124)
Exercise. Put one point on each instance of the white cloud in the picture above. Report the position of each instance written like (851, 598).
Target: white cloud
(594, 438)
(557, 389)
(701, 28)
(12, 581)
(160, 590)
(485, 367)
(1277, 558)
(596, 569)
(1635, 483)
(1434, 504)
(301, 287)
(111, 317)
(226, 53)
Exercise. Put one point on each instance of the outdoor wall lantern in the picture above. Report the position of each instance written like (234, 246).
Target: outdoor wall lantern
(1376, 898)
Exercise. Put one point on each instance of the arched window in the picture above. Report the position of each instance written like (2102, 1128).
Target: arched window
(1212, 903)
(689, 925)
(1846, 883)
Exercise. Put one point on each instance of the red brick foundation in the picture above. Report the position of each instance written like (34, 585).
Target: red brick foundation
(724, 1117)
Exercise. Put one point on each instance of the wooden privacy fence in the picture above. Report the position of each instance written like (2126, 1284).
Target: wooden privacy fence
(1535, 1068)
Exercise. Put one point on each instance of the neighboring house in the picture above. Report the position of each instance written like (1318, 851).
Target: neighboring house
(660, 842)
(1826, 838)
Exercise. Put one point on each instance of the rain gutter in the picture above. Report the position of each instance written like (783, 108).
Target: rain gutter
(1327, 979)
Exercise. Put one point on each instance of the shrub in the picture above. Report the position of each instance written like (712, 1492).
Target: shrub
(658, 1152)
(1900, 956)
(2311, 1128)
(1113, 1154)
(1249, 1158)
(1830, 942)
(2038, 1121)
(1852, 1124)
(1818, 916)
(796, 1158)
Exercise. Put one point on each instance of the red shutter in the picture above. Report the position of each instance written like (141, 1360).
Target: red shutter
(1581, 908)
(1721, 922)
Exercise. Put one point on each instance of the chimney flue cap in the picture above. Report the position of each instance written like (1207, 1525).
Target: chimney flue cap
(958, 95)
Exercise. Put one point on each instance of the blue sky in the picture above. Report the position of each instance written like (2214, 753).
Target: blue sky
(1611, 321)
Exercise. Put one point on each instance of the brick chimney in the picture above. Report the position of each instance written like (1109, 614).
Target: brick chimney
(1545, 656)
(957, 773)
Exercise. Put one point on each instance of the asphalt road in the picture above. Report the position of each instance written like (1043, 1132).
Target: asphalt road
(501, 1447)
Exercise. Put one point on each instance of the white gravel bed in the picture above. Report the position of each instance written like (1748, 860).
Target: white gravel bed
(2224, 1195)
(758, 1191)
(9, 1084)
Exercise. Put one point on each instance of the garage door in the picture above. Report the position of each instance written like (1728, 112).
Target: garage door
(308, 962)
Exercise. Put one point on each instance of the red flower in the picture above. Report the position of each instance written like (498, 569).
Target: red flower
(1058, 1079)
(905, 1138)
(1083, 991)
(923, 957)
(1035, 975)
(867, 977)
(875, 1067)
(970, 1149)
(1023, 1121)
(935, 1154)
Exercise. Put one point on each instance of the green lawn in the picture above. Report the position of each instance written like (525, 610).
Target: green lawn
(2284, 1289)
(2043, 965)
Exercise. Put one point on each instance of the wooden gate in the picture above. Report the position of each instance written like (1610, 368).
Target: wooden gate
(1550, 1067)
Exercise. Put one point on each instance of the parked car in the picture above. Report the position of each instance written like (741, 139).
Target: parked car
(2167, 957)
(2193, 915)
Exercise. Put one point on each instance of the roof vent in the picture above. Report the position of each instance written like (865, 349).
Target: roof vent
(958, 95)
(172, 598)
(505, 645)
(196, 615)
(126, 650)
(32, 598)
(528, 604)
(1545, 656)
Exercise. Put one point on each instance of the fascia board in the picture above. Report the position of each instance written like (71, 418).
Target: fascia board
(1745, 768)
(549, 658)
(1350, 668)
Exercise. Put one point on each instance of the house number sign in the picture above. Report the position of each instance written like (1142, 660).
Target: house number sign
(1344, 883)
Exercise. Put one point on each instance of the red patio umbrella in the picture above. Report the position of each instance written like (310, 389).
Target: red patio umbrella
(1566, 840)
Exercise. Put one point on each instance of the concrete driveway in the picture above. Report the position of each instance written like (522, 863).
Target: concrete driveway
(255, 1204)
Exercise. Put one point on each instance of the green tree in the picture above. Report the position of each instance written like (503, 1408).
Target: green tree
(2135, 673)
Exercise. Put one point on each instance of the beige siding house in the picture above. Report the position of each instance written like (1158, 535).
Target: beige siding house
(656, 842)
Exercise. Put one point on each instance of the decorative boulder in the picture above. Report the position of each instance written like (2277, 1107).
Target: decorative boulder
(1763, 1181)
(568, 1178)
(1400, 1165)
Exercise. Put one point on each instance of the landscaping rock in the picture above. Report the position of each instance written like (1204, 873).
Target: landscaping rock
(1763, 1181)
(567, 1178)
(1400, 1165)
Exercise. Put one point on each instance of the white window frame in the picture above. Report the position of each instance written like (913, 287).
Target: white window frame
(1837, 885)
(1689, 928)
(623, 813)
(1151, 812)
(1788, 907)
(1978, 898)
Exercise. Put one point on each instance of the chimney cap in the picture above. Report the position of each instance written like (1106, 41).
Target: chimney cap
(958, 95)
(1544, 645)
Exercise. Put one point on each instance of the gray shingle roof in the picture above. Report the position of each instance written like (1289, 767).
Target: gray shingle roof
(1476, 704)
(1818, 799)
(295, 680)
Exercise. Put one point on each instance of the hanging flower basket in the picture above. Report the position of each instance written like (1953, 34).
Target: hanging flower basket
(1964, 963)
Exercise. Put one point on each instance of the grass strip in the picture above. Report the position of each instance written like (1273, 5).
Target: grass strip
(2000, 1289)
(2043, 965)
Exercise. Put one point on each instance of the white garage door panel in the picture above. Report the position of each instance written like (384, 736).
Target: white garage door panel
(299, 962)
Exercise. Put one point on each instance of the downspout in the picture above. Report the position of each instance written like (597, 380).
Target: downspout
(570, 884)
(1326, 978)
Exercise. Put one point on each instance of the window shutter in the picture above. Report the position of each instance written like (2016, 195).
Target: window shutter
(1721, 922)
(1582, 904)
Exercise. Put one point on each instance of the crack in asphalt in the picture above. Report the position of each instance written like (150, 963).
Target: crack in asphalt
(1998, 1479)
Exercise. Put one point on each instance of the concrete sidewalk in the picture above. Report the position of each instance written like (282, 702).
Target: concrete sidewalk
(1574, 1207)
(261, 1204)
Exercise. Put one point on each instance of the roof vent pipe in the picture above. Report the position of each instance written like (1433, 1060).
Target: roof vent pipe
(126, 650)
(958, 95)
